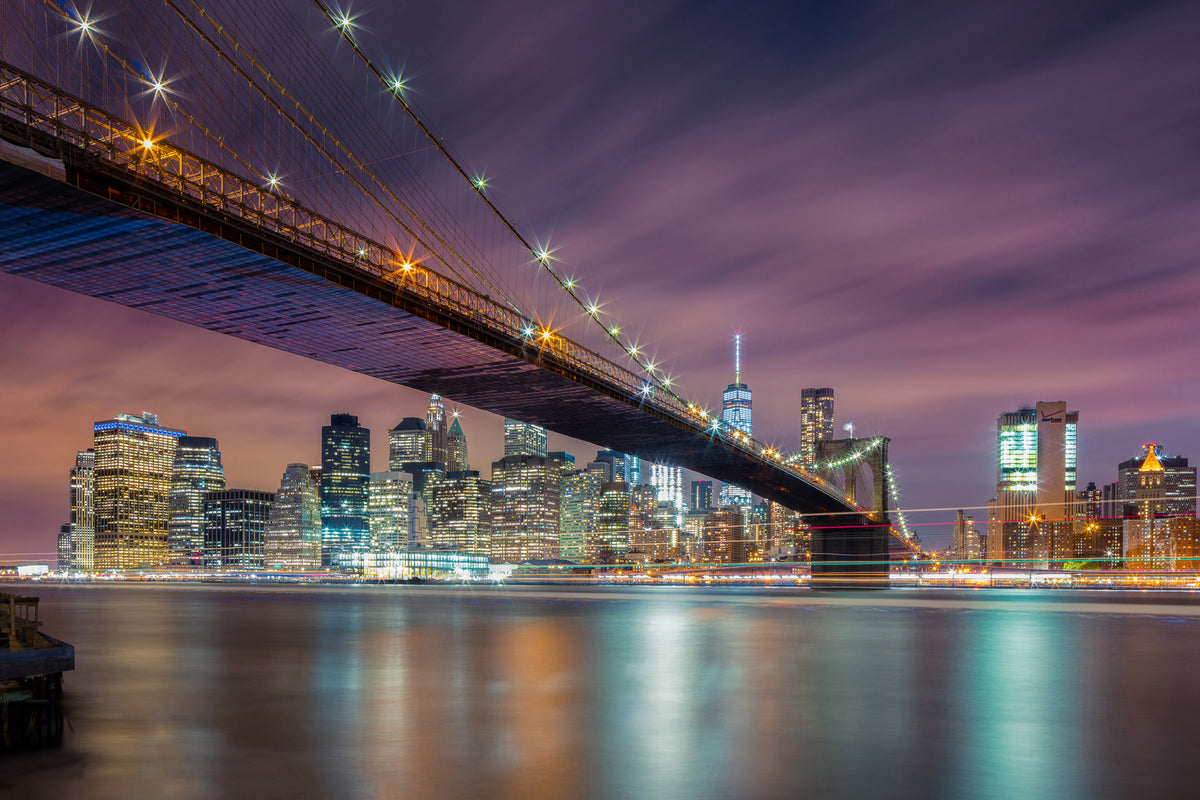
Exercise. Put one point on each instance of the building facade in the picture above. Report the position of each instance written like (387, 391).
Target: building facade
(345, 488)
(235, 529)
(82, 523)
(1035, 484)
(407, 443)
(460, 512)
(816, 422)
(197, 471)
(525, 507)
(396, 513)
(524, 439)
(292, 540)
(135, 459)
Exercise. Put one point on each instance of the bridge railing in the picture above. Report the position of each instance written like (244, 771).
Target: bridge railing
(115, 142)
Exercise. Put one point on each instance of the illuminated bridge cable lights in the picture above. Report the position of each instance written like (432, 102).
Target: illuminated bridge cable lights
(343, 24)
(338, 144)
(895, 495)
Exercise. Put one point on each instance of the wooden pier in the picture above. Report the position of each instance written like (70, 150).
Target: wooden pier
(31, 668)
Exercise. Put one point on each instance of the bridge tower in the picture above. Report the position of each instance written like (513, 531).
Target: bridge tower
(849, 551)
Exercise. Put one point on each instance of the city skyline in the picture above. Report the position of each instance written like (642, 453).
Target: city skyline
(1022, 285)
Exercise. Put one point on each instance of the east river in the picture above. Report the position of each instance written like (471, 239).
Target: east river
(211, 691)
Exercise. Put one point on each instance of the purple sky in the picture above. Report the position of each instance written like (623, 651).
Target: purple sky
(942, 210)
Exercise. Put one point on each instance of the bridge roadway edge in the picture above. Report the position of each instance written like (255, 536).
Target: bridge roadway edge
(539, 387)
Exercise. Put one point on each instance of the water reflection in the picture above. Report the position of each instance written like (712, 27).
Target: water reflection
(202, 692)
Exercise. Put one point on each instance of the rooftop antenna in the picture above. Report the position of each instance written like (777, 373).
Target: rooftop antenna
(737, 357)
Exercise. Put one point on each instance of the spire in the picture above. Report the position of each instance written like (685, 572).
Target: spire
(1151, 462)
(737, 357)
(455, 428)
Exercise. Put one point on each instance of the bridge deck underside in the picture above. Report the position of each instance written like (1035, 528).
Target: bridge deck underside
(61, 235)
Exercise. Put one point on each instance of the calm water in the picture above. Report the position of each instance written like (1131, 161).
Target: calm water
(382, 692)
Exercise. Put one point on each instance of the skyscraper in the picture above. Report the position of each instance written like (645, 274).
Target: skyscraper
(135, 457)
(1035, 482)
(524, 439)
(197, 471)
(460, 512)
(737, 412)
(345, 481)
(816, 422)
(235, 526)
(456, 447)
(407, 443)
(525, 507)
(396, 513)
(578, 508)
(702, 495)
(436, 431)
(1178, 482)
(618, 465)
(612, 522)
(292, 541)
(83, 511)
(668, 488)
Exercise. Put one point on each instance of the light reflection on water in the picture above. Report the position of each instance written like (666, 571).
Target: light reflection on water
(379, 692)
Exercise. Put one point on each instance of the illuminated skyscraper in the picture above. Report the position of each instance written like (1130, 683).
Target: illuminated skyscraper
(702, 495)
(292, 541)
(1035, 483)
(618, 465)
(612, 522)
(135, 457)
(64, 548)
(235, 529)
(725, 538)
(579, 506)
(737, 412)
(407, 443)
(1178, 482)
(525, 507)
(345, 481)
(668, 488)
(396, 513)
(83, 511)
(435, 428)
(524, 439)
(197, 471)
(456, 447)
(460, 512)
(816, 421)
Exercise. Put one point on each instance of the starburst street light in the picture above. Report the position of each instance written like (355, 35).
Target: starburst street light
(480, 182)
(272, 180)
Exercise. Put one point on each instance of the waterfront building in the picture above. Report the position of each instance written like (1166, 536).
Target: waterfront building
(345, 481)
(197, 471)
(816, 422)
(525, 507)
(456, 447)
(460, 512)
(424, 564)
(83, 511)
(737, 412)
(408, 443)
(65, 557)
(436, 431)
(612, 522)
(235, 529)
(702, 496)
(292, 539)
(788, 535)
(1035, 484)
(524, 439)
(134, 461)
(396, 513)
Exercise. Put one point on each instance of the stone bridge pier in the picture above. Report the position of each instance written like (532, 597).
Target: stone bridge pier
(850, 551)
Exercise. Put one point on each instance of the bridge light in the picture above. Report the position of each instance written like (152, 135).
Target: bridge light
(614, 330)
(406, 266)
(593, 309)
(570, 283)
(547, 333)
(480, 182)
(398, 85)
(148, 143)
(85, 25)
